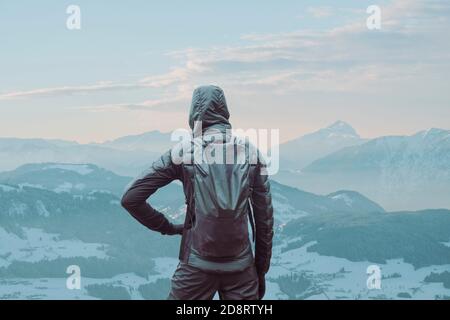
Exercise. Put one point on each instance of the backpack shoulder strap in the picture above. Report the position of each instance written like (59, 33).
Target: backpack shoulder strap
(251, 177)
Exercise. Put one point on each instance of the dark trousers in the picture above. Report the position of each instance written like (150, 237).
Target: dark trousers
(189, 283)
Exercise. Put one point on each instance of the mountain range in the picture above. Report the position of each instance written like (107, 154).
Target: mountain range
(399, 172)
(86, 179)
(154, 141)
(322, 246)
(300, 152)
(15, 152)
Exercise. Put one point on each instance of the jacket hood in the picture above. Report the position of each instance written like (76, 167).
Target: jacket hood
(210, 107)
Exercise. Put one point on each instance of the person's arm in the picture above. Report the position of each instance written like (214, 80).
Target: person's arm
(263, 214)
(160, 174)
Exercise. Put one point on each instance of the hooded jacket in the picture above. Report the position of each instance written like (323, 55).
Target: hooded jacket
(210, 108)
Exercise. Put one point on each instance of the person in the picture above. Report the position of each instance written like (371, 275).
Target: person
(216, 253)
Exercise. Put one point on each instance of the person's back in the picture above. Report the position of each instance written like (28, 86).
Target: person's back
(225, 184)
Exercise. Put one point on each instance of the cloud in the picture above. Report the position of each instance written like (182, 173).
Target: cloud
(68, 90)
(299, 60)
(173, 103)
(320, 12)
(416, 16)
(175, 76)
(346, 58)
(168, 102)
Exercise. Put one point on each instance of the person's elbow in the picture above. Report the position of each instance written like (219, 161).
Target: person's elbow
(127, 202)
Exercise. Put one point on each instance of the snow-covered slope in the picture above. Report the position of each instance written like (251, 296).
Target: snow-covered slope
(356, 201)
(65, 177)
(33, 245)
(291, 203)
(302, 274)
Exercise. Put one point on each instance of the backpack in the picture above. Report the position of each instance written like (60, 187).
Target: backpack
(221, 195)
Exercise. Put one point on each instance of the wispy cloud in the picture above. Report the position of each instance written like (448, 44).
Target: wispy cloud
(68, 90)
(320, 12)
(168, 102)
(346, 58)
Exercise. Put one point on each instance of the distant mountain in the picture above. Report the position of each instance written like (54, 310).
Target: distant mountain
(56, 217)
(49, 204)
(300, 152)
(400, 172)
(62, 177)
(291, 203)
(154, 141)
(419, 238)
(84, 179)
(355, 201)
(15, 152)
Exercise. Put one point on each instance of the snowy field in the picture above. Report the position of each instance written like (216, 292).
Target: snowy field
(330, 277)
(56, 289)
(337, 278)
(35, 245)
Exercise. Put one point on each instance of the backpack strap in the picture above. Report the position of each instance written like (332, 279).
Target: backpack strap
(251, 213)
(252, 220)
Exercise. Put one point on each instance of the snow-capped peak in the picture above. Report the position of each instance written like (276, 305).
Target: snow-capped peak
(434, 132)
(342, 127)
(339, 129)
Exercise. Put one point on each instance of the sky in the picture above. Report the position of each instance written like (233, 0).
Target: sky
(291, 65)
